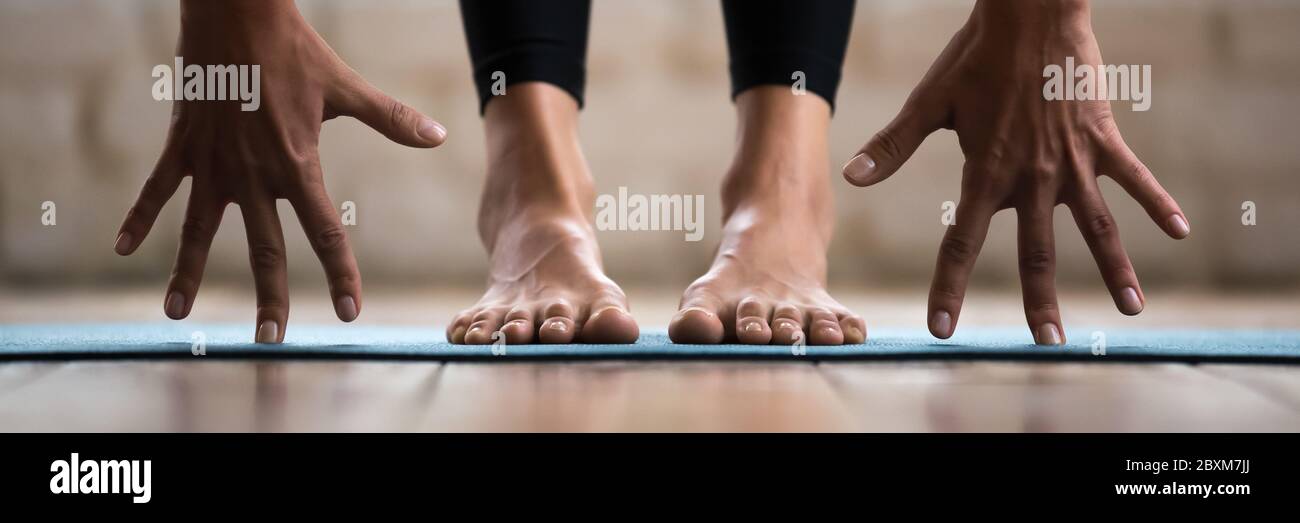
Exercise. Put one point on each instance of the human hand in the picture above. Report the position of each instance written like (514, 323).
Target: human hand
(252, 158)
(1022, 152)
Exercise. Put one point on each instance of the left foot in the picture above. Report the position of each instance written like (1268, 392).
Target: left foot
(768, 280)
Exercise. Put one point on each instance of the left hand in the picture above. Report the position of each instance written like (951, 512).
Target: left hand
(1023, 152)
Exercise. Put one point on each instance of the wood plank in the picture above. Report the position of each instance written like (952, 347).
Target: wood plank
(1051, 397)
(636, 396)
(1279, 382)
(214, 396)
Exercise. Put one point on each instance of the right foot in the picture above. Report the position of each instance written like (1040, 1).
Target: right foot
(546, 284)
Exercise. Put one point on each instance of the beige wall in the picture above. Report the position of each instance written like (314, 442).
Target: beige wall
(79, 128)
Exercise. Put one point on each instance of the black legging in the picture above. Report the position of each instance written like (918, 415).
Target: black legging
(767, 42)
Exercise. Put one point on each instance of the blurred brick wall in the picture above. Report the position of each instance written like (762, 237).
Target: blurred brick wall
(79, 128)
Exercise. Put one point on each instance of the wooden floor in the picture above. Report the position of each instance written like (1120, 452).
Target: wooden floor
(647, 396)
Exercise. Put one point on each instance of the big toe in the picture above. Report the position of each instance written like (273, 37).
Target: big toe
(696, 326)
(610, 325)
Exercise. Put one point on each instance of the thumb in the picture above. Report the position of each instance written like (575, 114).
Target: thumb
(391, 118)
(888, 150)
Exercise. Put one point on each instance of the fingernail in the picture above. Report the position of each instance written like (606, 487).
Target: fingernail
(432, 131)
(346, 308)
(175, 306)
(1048, 335)
(123, 246)
(1129, 302)
(1179, 226)
(941, 324)
(268, 332)
(860, 169)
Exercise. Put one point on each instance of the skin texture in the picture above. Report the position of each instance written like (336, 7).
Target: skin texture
(768, 279)
(253, 158)
(1022, 152)
(546, 283)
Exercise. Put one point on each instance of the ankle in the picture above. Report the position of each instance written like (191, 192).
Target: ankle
(781, 166)
(535, 168)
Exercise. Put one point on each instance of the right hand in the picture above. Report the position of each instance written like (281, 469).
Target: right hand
(254, 158)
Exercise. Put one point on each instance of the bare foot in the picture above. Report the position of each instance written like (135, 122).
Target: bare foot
(768, 281)
(546, 283)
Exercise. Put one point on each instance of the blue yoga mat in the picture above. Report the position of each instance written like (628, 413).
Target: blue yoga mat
(182, 340)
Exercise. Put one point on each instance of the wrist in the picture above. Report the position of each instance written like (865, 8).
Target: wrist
(1062, 18)
(234, 11)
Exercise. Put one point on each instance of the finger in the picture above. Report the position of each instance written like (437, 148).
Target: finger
(325, 233)
(202, 218)
(957, 253)
(1124, 167)
(158, 188)
(266, 256)
(890, 148)
(1038, 269)
(1102, 236)
(394, 119)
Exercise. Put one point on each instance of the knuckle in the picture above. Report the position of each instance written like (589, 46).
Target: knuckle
(195, 229)
(331, 239)
(1139, 174)
(948, 292)
(398, 113)
(265, 257)
(1102, 127)
(1041, 308)
(957, 250)
(1037, 261)
(1101, 225)
(887, 144)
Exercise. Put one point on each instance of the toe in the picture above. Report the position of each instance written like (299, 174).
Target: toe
(484, 326)
(854, 328)
(610, 325)
(456, 330)
(824, 328)
(559, 326)
(518, 327)
(751, 322)
(787, 325)
(697, 326)
(557, 329)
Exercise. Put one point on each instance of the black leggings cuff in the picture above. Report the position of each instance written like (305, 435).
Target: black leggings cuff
(821, 76)
(555, 65)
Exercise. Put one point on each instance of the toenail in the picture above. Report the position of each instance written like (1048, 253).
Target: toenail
(558, 326)
(753, 326)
